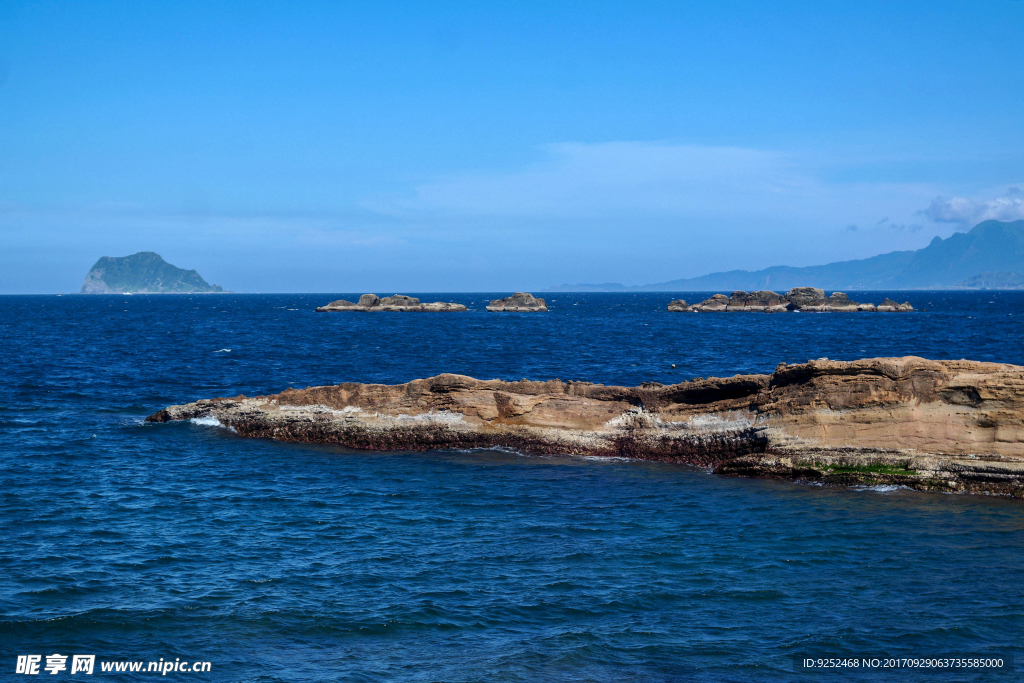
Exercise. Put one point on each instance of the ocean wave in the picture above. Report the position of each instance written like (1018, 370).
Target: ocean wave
(883, 488)
(210, 421)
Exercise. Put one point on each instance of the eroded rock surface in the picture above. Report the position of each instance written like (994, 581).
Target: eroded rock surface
(397, 302)
(520, 302)
(803, 296)
(931, 425)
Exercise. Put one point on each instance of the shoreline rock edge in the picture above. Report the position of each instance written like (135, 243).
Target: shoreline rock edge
(951, 426)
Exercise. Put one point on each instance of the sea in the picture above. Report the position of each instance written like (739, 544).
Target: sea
(183, 543)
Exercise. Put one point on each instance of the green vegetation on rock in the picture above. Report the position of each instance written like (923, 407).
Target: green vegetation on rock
(866, 469)
(144, 272)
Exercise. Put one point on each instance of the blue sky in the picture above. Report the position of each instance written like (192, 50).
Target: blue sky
(491, 146)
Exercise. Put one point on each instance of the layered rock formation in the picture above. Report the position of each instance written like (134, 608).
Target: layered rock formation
(931, 425)
(397, 302)
(809, 299)
(520, 302)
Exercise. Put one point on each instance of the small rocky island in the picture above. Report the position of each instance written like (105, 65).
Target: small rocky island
(520, 302)
(809, 299)
(951, 426)
(143, 273)
(395, 303)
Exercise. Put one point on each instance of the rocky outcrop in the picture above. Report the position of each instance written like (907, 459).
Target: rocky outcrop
(679, 306)
(890, 305)
(805, 296)
(767, 301)
(809, 299)
(930, 425)
(763, 301)
(838, 302)
(397, 302)
(717, 303)
(520, 302)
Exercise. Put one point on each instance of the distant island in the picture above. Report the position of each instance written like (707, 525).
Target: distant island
(143, 273)
(989, 256)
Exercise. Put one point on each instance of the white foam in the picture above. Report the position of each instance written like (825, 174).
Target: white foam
(223, 351)
(501, 449)
(729, 422)
(208, 421)
(444, 417)
(882, 488)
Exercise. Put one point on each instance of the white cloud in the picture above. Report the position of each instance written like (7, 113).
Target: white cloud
(656, 180)
(969, 212)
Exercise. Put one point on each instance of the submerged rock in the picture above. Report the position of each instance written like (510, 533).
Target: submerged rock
(520, 302)
(397, 303)
(953, 426)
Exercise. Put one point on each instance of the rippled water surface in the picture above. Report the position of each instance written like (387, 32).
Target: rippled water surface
(297, 563)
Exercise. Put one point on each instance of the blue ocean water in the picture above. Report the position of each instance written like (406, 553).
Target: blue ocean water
(285, 562)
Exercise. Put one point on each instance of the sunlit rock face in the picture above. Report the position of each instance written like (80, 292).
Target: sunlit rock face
(930, 425)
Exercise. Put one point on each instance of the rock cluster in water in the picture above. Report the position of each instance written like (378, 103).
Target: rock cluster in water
(520, 302)
(796, 299)
(952, 426)
(397, 302)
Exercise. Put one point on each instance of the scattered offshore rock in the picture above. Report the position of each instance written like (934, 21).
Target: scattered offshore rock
(764, 300)
(809, 299)
(395, 303)
(520, 302)
(679, 306)
(804, 296)
(718, 302)
(951, 426)
(838, 302)
(890, 305)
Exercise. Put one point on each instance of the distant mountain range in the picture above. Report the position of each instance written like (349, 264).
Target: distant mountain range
(142, 273)
(989, 256)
